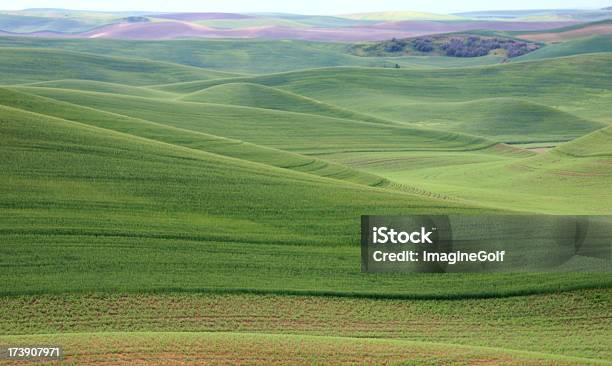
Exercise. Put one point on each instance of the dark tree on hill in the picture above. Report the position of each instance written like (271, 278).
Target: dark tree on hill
(475, 47)
(423, 45)
(395, 45)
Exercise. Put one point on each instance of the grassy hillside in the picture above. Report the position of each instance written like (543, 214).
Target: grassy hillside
(84, 184)
(28, 24)
(162, 213)
(591, 44)
(259, 96)
(273, 349)
(21, 65)
(103, 87)
(596, 144)
(285, 20)
(100, 199)
(571, 179)
(187, 138)
(545, 79)
(241, 56)
(502, 119)
(505, 324)
(565, 34)
(571, 27)
(577, 84)
(296, 132)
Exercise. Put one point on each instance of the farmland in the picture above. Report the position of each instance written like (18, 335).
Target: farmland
(172, 201)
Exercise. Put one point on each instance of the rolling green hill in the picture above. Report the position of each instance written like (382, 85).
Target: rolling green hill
(295, 132)
(104, 87)
(577, 84)
(525, 320)
(570, 179)
(187, 138)
(502, 119)
(29, 23)
(101, 199)
(508, 120)
(596, 144)
(241, 56)
(568, 28)
(285, 20)
(259, 96)
(591, 44)
(77, 183)
(152, 209)
(236, 347)
(21, 65)
(542, 80)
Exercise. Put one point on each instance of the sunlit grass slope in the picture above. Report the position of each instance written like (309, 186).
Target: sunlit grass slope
(578, 84)
(22, 23)
(241, 56)
(187, 138)
(259, 96)
(574, 178)
(21, 65)
(104, 87)
(592, 44)
(596, 144)
(119, 212)
(510, 120)
(168, 224)
(296, 132)
(65, 182)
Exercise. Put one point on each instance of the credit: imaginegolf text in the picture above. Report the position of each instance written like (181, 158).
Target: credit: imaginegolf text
(492, 243)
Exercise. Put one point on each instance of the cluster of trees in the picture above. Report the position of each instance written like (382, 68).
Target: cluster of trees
(449, 45)
(423, 44)
(476, 46)
(399, 45)
(396, 45)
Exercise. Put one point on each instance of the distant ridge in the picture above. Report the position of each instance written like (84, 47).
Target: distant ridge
(202, 16)
(401, 15)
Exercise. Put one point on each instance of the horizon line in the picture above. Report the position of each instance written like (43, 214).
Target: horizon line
(290, 13)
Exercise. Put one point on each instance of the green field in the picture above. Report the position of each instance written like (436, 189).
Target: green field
(241, 56)
(579, 46)
(305, 329)
(189, 200)
(21, 23)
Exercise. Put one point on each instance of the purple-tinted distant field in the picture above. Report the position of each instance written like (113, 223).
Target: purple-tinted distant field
(444, 27)
(183, 25)
(192, 17)
(172, 30)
